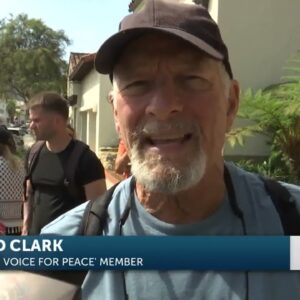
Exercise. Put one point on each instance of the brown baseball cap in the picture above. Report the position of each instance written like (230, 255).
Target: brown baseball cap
(187, 21)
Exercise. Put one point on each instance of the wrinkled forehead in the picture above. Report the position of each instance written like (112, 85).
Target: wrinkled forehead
(145, 51)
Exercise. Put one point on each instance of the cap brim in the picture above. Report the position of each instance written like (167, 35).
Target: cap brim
(112, 48)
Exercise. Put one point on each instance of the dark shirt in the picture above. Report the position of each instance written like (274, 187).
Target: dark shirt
(51, 197)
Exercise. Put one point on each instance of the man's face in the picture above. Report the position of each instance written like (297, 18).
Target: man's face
(42, 123)
(171, 109)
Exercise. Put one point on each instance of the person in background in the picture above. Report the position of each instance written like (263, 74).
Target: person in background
(49, 192)
(174, 99)
(122, 162)
(12, 175)
(12, 143)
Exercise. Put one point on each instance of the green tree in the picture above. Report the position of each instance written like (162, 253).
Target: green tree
(11, 109)
(275, 112)
(31, 56)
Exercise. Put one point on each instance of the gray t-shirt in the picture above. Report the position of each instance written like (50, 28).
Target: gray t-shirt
(260, 217)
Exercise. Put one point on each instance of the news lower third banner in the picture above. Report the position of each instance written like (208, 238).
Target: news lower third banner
(253, 253)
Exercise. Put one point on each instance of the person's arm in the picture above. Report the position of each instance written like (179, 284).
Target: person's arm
(95, 189)
(26, 209)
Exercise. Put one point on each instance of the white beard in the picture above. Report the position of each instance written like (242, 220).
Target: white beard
(161, 175)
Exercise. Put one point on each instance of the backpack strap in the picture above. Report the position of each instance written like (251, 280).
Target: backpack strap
(32, 156)
(92, 223)
(285, 205)
(74, 190)
(30, 163)
(95, 214)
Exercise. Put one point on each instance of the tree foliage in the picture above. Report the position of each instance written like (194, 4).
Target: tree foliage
(11, 109)
(31, 56)
(276, 114)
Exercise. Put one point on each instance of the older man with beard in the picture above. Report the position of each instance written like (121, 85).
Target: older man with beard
(174, 98)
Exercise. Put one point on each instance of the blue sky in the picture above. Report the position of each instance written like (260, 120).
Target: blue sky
(86, 22)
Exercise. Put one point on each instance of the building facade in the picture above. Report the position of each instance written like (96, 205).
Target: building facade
(90, 113)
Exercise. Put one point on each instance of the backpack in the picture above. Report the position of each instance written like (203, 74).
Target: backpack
(95, 215)
(74, 190)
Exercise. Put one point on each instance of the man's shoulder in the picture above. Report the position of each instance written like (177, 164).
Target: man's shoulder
(66, 224)
(293, 189)
(85, 153)
(89, 167)
(239, 175)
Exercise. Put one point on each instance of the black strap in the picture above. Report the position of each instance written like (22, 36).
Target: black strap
(32, 156)
(92, 223)
(95, 214)
(285, 205)
(231, 195)
(76, 192)
(30, 162)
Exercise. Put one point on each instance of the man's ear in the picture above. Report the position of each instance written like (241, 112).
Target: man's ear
(233, 103)
(110, 97)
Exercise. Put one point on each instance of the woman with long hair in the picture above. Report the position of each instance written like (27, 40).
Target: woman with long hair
(12, 176)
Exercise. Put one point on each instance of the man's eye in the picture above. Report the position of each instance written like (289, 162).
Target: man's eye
(136, 83)
(195, 82)
(137, 87)
(194, 78)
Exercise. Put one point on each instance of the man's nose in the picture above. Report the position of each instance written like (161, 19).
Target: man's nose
(165, 100)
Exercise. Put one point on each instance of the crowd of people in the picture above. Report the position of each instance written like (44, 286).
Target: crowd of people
(59, 171)
(34, 192)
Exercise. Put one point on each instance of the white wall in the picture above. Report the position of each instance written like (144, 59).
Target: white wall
(213, 8)
(88, 103)
(107, 135)
(92, 129)
(94, 118)
(261, 36)
(90, 91)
